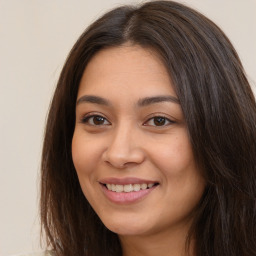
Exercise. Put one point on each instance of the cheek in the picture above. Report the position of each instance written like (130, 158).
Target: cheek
(85, 154)
(173, 155)
(85, 159)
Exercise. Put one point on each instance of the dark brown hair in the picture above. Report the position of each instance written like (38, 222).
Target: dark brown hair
(220, 112)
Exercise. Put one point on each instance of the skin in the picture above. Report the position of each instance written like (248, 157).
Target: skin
(129, 142)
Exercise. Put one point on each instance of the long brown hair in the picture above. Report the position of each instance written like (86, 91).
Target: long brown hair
(220, 112)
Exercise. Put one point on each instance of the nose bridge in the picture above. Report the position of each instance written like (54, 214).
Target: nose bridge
(124, 146)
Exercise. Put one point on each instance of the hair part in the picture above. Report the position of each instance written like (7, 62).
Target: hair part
(220, 112)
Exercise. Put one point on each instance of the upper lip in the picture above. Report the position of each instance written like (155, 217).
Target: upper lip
(126, 181)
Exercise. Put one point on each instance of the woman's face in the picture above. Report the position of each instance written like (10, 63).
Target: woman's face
(130, 146)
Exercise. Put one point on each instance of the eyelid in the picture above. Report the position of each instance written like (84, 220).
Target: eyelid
(167, 118)
(84, 119)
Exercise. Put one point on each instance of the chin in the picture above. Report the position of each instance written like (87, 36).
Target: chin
(125, 231)
(127, 228)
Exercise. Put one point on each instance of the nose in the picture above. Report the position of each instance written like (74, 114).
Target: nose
(124, 148)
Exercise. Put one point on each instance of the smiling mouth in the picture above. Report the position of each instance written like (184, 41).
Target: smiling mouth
(129, 187)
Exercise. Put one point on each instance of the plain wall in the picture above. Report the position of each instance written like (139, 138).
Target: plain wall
(35, 38)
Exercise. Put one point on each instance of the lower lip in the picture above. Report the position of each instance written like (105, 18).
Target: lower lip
(126, 197)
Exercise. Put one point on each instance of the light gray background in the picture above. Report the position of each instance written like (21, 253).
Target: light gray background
(35, 38)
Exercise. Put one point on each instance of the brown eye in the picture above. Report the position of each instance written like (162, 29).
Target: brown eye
(159, 121)
(98, 120)
(95, 120)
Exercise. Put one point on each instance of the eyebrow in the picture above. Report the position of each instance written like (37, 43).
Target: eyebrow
(93, 99)
(141, 102)
(157, 99)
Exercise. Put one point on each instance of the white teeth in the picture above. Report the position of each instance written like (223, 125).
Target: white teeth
(128, 187)
(143, 186)
(119, 188)
(136, 187)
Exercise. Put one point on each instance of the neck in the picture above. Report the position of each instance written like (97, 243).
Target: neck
(165, 244)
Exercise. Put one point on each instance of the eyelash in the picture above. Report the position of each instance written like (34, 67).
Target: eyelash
(154, 119)
(87, 118)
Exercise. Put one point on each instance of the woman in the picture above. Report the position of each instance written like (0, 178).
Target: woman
(150, 141)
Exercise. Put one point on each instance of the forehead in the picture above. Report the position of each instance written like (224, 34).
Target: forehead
(127, 69)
